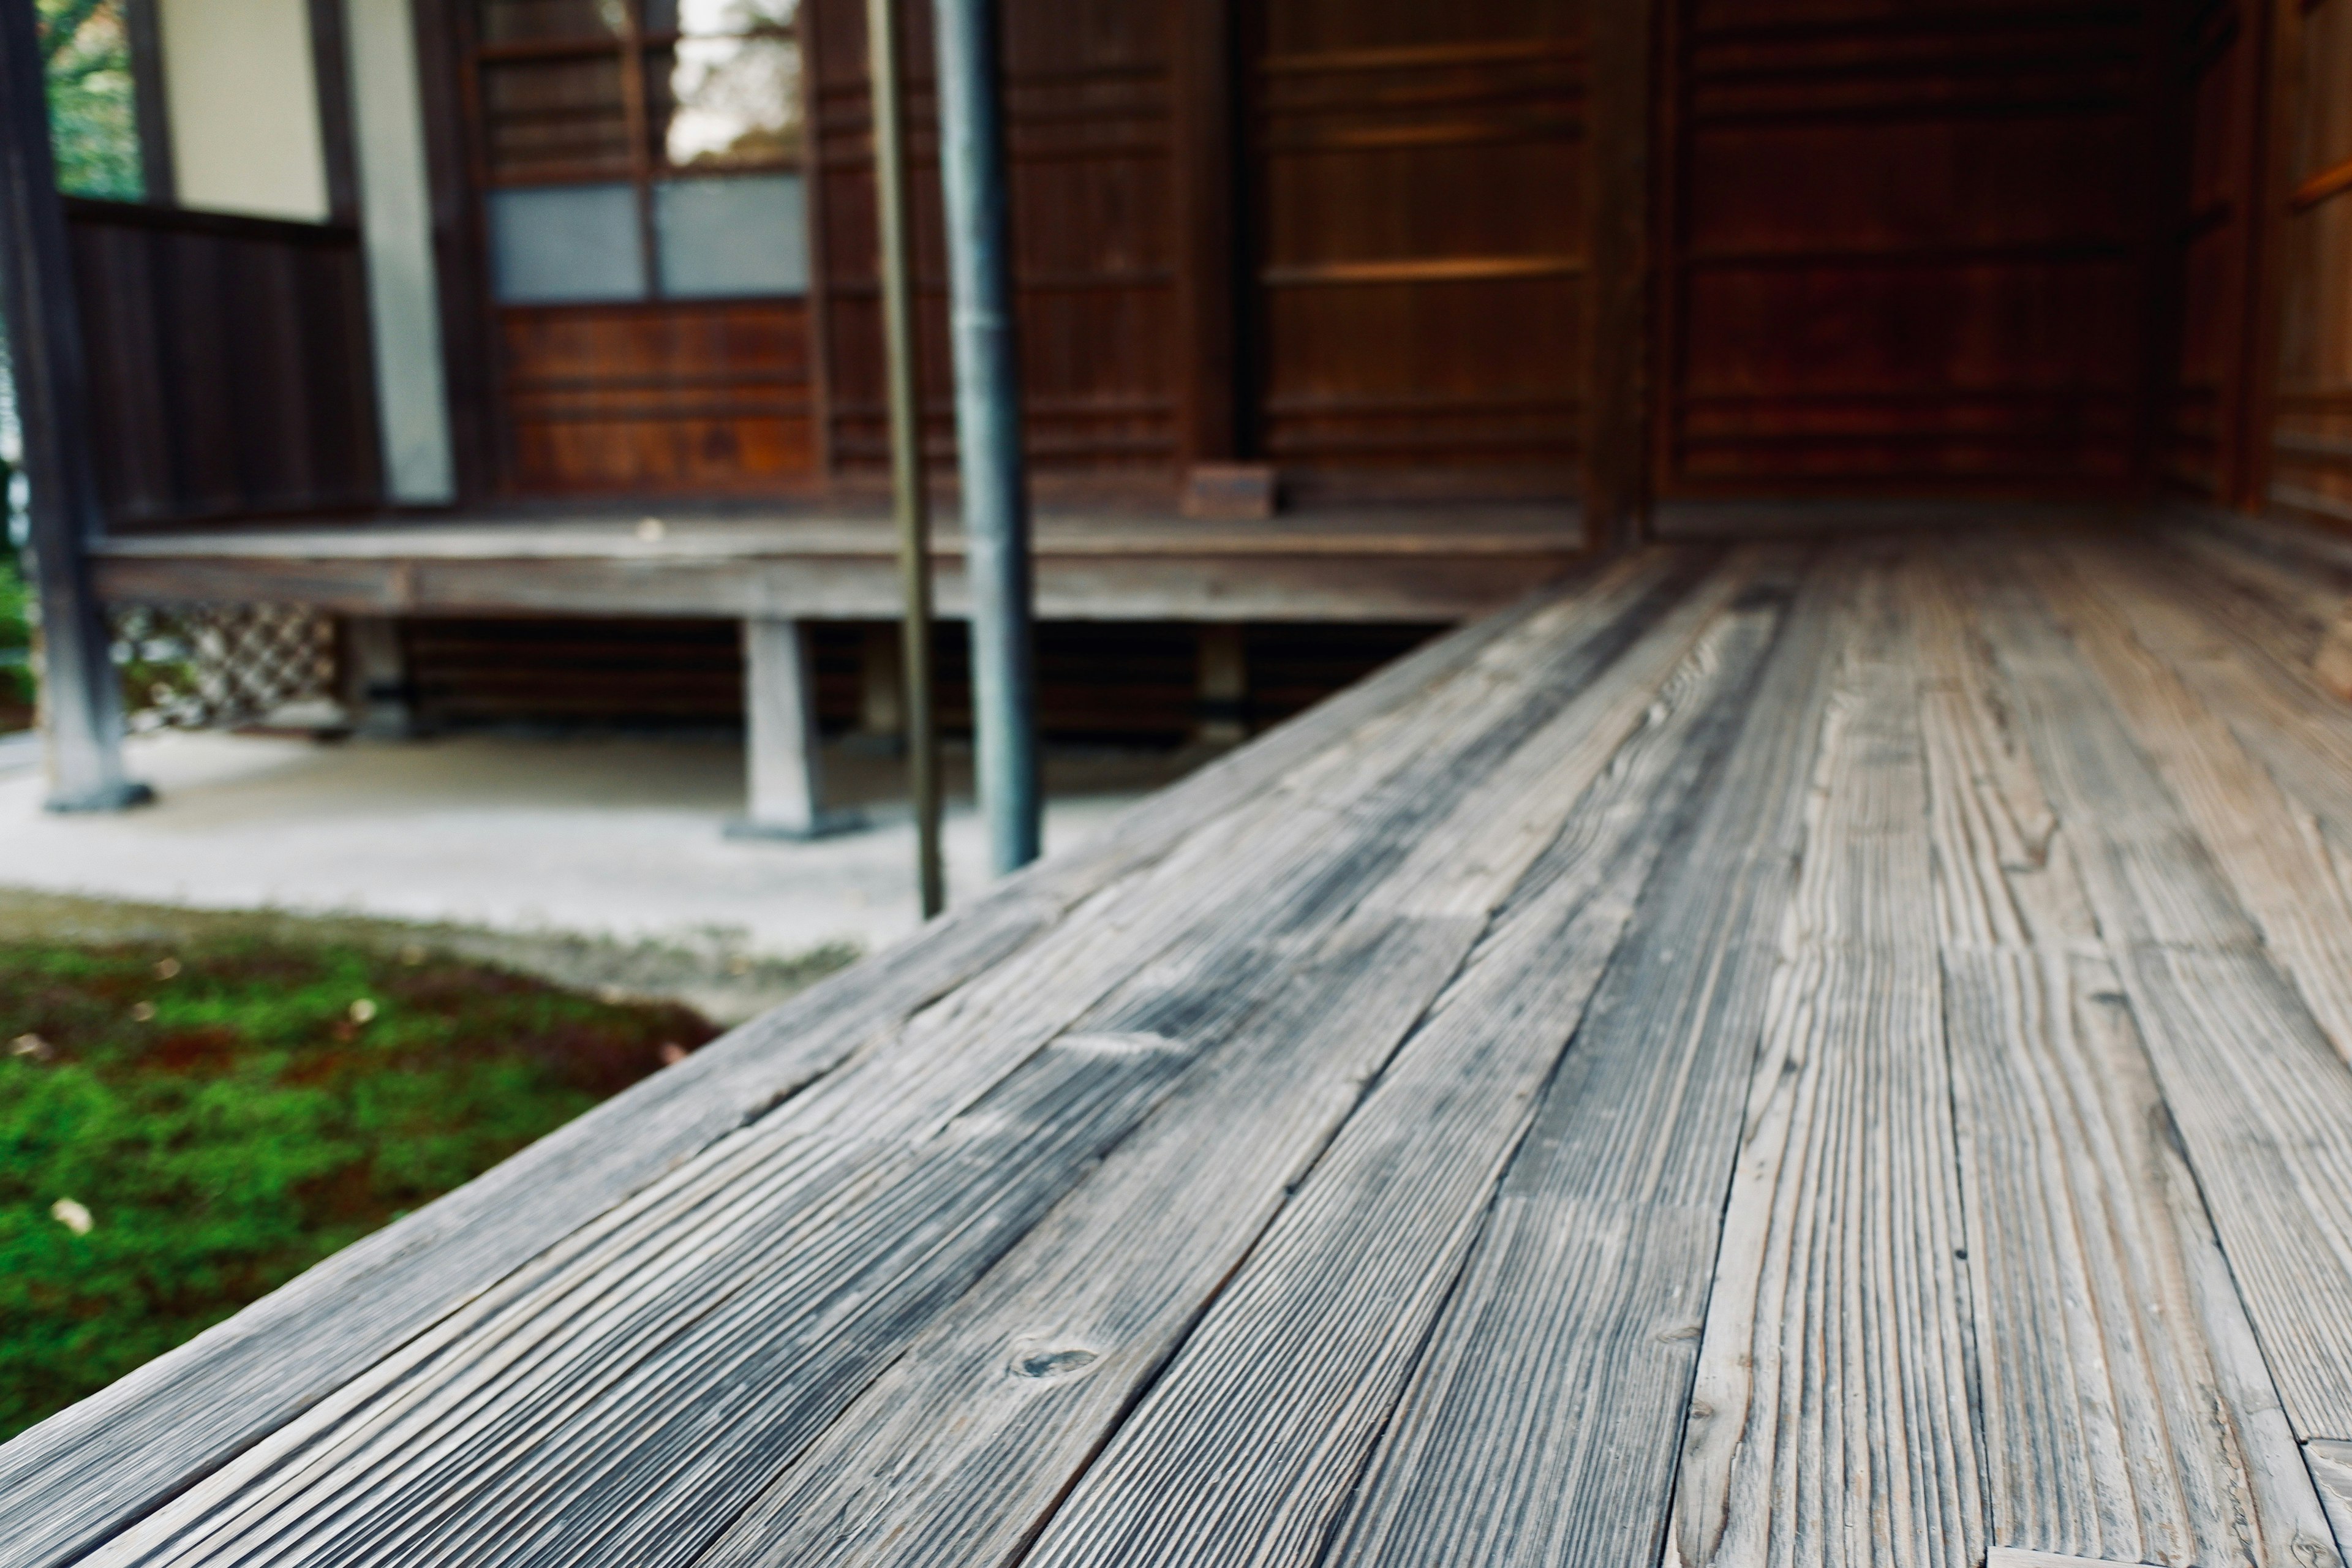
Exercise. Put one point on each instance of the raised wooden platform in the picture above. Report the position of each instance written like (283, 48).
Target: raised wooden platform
(1406, 564)
(1794, 1055)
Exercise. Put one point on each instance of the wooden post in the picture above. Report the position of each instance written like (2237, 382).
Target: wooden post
(786, 786)
(1618, 138)
(1224, 715)
(977, 185)
(376, 696)
(888, 88)
(149, 108)
(80, 701)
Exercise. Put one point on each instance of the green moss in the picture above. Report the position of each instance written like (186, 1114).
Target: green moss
(16, 642)
(229, 1115)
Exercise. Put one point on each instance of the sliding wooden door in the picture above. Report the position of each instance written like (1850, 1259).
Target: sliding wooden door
(1413, 319)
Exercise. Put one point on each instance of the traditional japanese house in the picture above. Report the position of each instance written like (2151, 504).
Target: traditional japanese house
(508, 329)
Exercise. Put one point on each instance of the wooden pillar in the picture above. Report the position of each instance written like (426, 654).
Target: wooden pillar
(786, 787)
(80, 701)
(976, 181)
(1620, 180)
(377, 699)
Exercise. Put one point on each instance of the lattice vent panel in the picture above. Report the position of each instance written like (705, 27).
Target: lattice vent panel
(206, 665)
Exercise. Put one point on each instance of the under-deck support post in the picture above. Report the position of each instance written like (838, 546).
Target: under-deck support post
(81, 704)
(1223, 717)
(786, 784)
(977, 186)
(376, 695)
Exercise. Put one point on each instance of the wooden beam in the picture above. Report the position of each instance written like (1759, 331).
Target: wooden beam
(1618, 139)
(81, 704)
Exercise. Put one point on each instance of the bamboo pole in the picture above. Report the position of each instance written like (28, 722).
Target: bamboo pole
(887, 75)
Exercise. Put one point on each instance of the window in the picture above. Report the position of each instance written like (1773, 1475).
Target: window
(93, 120)
(641, 149)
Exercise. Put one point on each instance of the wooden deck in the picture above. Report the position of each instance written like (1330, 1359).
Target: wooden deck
(1402, 563)
(1792, 1055)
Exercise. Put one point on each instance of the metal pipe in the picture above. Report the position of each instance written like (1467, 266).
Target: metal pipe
(888, 89)
(82, 703)
(977, 186)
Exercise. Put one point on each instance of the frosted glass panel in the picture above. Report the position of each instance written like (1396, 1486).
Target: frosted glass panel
(566, 244)
(743, 235)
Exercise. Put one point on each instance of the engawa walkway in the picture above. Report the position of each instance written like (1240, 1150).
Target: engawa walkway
(1794, 1055)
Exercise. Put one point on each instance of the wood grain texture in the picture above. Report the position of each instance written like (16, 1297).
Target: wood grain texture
(2126, 1413)
(92, 1469)
(1830, 1413)
(1282, 1390)
(1541, 1424)
(958, 1454)
(2268, 851)
(859, 1208)
(2331, 1470)
(1791, 1056)
(2263, 1103)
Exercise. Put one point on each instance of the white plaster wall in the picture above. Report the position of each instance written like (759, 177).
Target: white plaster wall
(244, 107)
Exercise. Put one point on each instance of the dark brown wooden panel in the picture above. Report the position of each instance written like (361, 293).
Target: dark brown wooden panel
(1090, 124)
(2202, 440)
(2311, 442)
(1907, 247)
(229, 361)
(670, 396)
(1420, 242)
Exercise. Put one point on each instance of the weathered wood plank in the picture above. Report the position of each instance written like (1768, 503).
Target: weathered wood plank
(2302, 736)
(2262, 1104)
(89, 1471)
(2331, 1470)
(1830, 1416)
(1541, 1426)
(1246, 1446)
(2270, 851)
(959, 1452)
(2127, 1414)
(795, 1259)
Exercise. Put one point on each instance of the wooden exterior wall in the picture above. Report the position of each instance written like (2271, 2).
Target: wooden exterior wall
(2311, 434)
(666, 396)
(229, 365)
(2203, 437)
(2047, 248)
(2260, 404)
(1903, 247)
(1092, 133)
(1347, 238)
